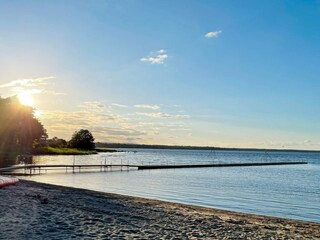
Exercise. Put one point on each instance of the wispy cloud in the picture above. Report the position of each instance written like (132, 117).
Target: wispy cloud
(51, 92)
(162, 51)
(213, 34)
(93, 106)
(31, 86)
(29, 82)
(29, 91)
(92, 115)
(162, 115)
(118, 131)
(180, 129)
(113, 125)
(156, 58)
(119, 105)
(91, 118)
(146, 106)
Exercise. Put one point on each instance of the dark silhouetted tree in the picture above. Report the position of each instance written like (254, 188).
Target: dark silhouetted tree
(19, 129)
(57, 142)
(82, 139)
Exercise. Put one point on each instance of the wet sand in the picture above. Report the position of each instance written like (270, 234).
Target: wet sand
(31, 210)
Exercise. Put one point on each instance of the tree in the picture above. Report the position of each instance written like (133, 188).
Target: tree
(82, 139)
(57, 142)
(19, 129)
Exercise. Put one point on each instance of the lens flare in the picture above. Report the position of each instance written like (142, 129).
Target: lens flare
(37, 113)
(26, 98)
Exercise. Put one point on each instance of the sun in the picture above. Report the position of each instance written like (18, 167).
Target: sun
(26, 98)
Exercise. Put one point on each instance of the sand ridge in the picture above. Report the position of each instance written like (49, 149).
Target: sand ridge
(83, 214)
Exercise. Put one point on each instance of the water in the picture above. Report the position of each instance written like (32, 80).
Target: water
(289, 191)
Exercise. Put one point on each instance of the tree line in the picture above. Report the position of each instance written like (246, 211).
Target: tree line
(21, 131)
(82, 139)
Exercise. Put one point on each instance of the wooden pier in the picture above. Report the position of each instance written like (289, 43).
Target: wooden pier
(145, 167)
(32, 169)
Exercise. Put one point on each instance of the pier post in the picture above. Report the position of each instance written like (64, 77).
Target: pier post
(74, 160)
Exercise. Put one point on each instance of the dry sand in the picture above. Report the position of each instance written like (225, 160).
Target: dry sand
(83, 214)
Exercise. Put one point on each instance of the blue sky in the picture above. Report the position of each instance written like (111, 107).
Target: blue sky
(222, 73)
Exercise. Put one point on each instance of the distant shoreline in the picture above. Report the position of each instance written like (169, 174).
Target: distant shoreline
(149, 146)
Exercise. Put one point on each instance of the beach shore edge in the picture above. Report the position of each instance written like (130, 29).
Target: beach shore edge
(38, 210)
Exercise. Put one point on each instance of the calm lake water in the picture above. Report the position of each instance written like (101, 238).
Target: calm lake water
(282, 191)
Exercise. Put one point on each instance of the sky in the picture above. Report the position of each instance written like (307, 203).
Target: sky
(205, 73)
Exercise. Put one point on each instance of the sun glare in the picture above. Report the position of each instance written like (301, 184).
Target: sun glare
(37, 113)
(26, 99)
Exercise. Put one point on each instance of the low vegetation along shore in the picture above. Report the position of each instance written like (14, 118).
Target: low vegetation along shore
(32, 210)
(69, 151)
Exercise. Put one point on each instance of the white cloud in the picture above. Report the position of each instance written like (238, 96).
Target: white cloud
(107, 125)
(180, 129)
(90, 118)
(155, 60)
(146, 106)
(29, 91)
(51, 92)
(162, 115)
(119, 105)
(93, 106)
(158, 58)
(30, 82)
(93, 116)
(31, 86)
(118, 131)
(213, 34)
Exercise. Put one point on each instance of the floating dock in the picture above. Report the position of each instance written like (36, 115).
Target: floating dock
(145, 167)
(32, 169)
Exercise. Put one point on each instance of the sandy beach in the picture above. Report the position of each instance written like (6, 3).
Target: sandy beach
(31, 210)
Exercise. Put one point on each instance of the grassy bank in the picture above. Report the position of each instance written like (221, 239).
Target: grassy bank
(62, 151)
(68, 151)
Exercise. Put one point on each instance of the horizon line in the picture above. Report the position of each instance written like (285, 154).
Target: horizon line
(164, 146)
